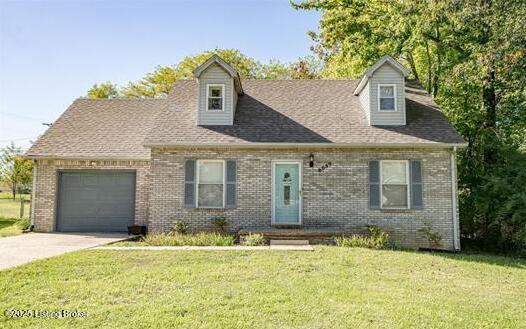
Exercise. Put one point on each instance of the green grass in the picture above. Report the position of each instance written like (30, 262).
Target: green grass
(331, 287)
(10, 208)
(12, 226)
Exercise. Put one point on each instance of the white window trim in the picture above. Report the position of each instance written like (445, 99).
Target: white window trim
(394, 95)
(198, 162)
(407, 184)
(222, 97)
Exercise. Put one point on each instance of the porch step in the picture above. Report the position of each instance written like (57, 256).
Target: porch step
(289, 242)
(312, 235)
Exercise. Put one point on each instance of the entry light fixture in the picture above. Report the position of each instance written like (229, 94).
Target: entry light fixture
(311, 160)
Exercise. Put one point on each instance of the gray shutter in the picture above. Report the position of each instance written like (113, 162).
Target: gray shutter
(417, 200)
(374, 184)
(189, 184)
(231, 193)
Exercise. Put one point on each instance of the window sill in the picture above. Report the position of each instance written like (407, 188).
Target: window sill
(397, 210)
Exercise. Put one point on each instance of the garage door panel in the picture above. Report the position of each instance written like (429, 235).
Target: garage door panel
(96, 201)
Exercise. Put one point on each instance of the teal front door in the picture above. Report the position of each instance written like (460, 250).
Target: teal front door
(286, 193)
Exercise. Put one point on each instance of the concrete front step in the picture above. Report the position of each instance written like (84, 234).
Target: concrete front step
(289, 242)
(314, 236)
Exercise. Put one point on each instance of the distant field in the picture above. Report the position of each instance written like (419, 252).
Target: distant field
(10, 208)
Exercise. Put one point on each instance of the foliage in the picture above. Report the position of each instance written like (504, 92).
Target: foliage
(220, 223)
(254, 239)
(103, 90)
(376, 239)
(15, 170)
(159, 82)
(433, 237)
(180, 226)
(471, 56)
(197, 239)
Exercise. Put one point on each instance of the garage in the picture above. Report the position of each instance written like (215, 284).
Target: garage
(95, 201)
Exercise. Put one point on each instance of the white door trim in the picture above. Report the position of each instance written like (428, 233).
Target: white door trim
(300, 174)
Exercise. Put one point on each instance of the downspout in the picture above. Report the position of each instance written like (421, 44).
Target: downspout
(456, 237)
(33, 192)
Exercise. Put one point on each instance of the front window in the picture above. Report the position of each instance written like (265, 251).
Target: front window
(387, 97)
(210, 183)
(395, 184)
(215, 97)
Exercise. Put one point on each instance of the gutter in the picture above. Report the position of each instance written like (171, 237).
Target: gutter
(33, 197)
(454, 189)
(306, 145)
(83, 158)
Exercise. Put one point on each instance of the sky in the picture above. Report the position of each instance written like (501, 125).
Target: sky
(52, 52)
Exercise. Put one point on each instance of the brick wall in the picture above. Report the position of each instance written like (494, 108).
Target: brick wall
(334, 198)
(46, 179)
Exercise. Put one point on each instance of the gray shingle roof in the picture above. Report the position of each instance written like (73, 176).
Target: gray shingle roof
(321, 112)
(300, 111)
(104, 128)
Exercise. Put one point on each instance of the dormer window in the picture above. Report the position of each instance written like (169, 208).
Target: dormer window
(215, 95)
(386, 97)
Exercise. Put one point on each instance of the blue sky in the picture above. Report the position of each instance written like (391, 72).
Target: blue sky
(51, 52)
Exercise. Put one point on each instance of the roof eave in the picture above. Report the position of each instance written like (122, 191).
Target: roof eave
(306, 145)
(84, 157)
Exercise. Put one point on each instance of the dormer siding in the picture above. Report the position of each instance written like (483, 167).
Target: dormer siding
(387, 75)
(215, 75)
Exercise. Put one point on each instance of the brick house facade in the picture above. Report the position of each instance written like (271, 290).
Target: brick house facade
(340, 134)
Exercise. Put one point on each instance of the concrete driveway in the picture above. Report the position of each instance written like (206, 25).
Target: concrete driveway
(21, 249)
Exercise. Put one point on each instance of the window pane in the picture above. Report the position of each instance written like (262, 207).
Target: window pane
(387, 104)
(387, 91)
(394, 172)
(211, 172)
(210, 195)
(215, 104)
(394, 196)
(215, 91)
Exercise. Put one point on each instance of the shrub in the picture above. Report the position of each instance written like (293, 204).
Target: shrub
(180, 227)
(198, 239)
(254, 240)
(433, 237)
(220, 223)
(376, 239)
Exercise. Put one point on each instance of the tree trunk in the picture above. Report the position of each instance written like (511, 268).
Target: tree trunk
(411, 61)
(429, 69)
(490, 106)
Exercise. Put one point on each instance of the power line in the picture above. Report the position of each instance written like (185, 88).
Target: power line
(15, 139)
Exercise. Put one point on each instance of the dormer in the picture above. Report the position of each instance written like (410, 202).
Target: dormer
(382, 93)
(219, 86)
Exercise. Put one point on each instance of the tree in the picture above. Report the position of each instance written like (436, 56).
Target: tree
(471, 56)
(103, 90)
(305, 68)
(159, 82)
(15, 170)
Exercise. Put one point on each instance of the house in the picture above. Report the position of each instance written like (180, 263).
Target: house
(266, 154)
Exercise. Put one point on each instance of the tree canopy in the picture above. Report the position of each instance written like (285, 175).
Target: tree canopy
(15, 170)
(159, 82)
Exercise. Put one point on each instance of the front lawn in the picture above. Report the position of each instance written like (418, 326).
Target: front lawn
(331, 287)
(12, 226)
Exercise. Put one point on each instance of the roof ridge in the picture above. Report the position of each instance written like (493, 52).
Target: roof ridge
(121, 99)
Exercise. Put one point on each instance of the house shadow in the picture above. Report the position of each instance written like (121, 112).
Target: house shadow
(260, 123)
(425, 121)
(472, 257)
